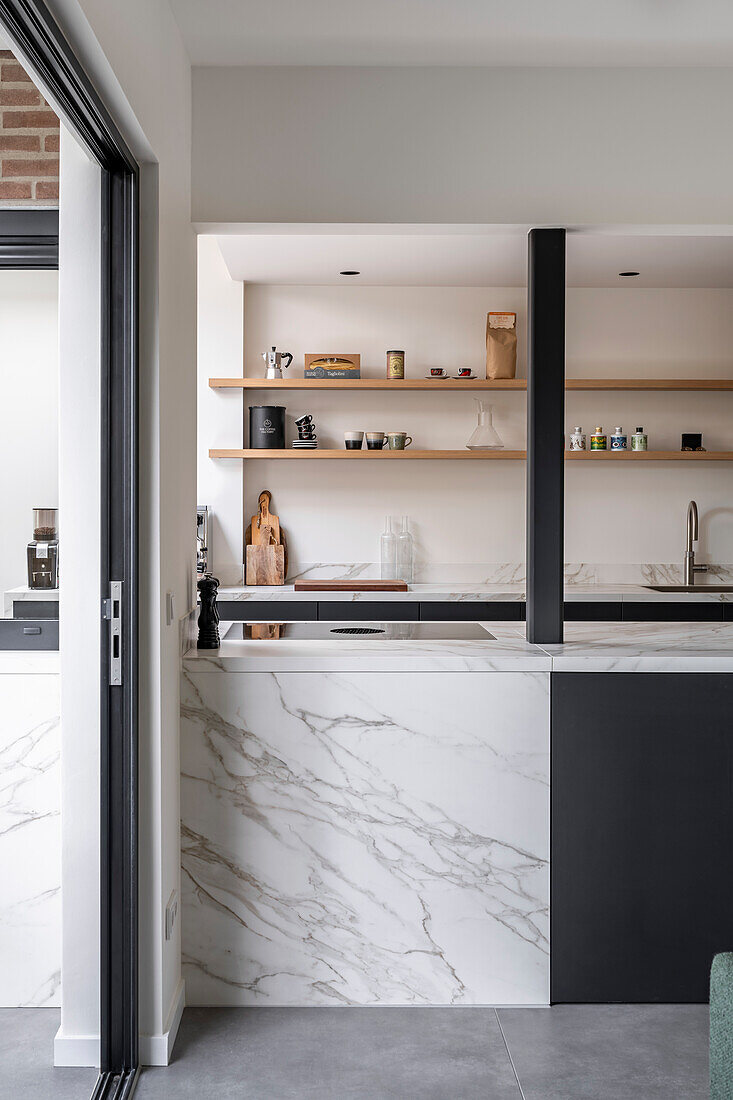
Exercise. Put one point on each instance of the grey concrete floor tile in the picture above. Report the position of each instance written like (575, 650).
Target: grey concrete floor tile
(336, 1054)
(26, 1059)
(609, 1052)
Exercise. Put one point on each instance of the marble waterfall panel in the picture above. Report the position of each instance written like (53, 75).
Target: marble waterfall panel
(365, 839)
(30, 840)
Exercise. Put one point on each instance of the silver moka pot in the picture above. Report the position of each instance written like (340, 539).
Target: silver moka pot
(275, 364)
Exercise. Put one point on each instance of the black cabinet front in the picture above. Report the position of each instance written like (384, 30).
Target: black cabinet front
(642, 834)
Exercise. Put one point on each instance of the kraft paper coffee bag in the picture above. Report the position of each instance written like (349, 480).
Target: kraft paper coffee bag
(501, 345)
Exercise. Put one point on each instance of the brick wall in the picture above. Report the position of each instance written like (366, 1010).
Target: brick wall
(29, 140)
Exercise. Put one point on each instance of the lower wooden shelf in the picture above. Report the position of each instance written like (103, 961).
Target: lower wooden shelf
(649, 456)
(506, 456)
(356, 456)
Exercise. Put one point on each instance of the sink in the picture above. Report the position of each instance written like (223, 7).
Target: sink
(689, 587)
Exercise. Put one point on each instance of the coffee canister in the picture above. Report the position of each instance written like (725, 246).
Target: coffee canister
(267, 427)
(395, 364)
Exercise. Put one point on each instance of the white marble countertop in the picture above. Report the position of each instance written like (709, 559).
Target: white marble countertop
(475, 593)
(644, 647)
(588, 647)
(509, 652)
(24, 594)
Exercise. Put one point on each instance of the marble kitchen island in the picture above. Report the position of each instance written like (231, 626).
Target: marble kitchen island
(366, 822)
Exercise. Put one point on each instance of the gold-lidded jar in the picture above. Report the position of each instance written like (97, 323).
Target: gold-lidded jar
(395, 364)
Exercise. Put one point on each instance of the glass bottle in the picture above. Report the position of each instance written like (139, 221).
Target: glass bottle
(405, 553)
(388, 552)
(484, 436)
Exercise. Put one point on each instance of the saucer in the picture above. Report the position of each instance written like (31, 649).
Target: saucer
(465, 377)
(437, 377)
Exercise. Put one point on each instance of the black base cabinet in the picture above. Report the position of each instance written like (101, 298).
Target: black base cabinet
(642, 835)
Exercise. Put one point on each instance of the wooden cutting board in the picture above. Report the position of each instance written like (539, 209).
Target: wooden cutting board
(264, 519)
(265, 565)
(351, 586)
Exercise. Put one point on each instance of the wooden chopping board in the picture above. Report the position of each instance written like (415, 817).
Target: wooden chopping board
(264, 519)
(351, 586)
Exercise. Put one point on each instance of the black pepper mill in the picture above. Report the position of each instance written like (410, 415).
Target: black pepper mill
(208, 638)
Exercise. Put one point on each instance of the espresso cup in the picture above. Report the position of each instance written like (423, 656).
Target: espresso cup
(375, 440)
(353, 440)
(464, 372)
(437, 372)
(397, 441)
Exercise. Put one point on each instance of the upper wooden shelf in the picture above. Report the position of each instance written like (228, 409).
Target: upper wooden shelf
(368, 384)
(700, 384)
(574, 456)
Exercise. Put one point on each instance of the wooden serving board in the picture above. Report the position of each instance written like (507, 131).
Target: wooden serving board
(351, 586)
(265, 565)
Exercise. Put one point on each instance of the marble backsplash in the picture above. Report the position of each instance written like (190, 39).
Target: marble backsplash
(576, 573)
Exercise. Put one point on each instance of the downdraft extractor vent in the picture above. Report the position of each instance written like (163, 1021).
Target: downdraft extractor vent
(356, 630)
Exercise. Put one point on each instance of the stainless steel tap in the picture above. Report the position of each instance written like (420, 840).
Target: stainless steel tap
(692, 536)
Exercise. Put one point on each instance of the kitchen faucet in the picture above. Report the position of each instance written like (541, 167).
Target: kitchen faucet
(692, 536)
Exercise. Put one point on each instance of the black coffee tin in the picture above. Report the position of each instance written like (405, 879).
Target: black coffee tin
(267, 427)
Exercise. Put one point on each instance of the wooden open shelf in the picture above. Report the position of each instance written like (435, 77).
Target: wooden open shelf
(649, 456)
(507, 456)
(497, 384)
(364, 455)
(368, 384)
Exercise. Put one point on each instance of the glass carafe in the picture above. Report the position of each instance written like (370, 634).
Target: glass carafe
(388, 552)
(405, 553)
(484, 436)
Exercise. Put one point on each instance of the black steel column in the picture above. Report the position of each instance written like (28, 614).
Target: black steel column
(545, 434)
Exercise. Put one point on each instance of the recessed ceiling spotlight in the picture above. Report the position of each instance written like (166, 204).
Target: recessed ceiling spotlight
(628, 274)
(349, 272)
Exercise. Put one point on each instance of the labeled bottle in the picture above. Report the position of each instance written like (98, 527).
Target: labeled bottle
(396, 365)
(639, 440)
(388, 552)
(405, 553)
(598, 440)
(577, 439)
(618, 440)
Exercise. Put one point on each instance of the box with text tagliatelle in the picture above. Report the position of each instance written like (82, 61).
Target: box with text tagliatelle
(332, 366)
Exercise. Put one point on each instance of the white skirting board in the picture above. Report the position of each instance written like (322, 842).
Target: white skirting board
(75, 1050)
(155, 1050)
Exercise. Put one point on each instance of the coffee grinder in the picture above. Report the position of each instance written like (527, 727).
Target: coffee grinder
(43, 551)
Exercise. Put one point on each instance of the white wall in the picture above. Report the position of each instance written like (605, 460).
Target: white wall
(416, 144)
(334, 513)
(29, 432)
(77, 1042)
(136, 58)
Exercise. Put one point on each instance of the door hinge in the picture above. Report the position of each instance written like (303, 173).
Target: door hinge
(112, 613)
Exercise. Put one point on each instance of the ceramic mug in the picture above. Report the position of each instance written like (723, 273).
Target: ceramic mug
(375, 440)
(397, 441)
(353, 440)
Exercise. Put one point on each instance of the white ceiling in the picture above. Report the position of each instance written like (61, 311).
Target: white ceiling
(457, 32)
(468, 256)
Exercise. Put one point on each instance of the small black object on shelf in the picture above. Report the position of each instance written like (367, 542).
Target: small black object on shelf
(208, 637)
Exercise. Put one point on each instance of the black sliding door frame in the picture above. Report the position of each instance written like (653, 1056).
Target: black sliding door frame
(39, 40)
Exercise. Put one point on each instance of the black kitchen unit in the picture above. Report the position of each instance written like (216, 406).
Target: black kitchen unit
(465, 610)
(641, 835)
